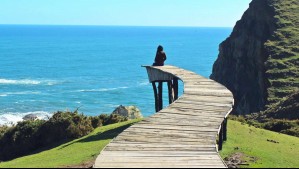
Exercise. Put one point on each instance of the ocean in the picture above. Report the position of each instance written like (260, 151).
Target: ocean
(95, 69)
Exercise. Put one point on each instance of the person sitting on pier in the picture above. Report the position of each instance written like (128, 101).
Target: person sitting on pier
(160, 57)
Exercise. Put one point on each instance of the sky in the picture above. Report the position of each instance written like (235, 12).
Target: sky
(195, 13)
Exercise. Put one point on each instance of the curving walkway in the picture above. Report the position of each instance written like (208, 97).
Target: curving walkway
(182, 135)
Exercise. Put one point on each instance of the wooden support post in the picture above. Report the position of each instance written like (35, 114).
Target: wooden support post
(225, 130)
(160, 95)
(220, 141)
(170, 92)
(176, 88)
(156, 96)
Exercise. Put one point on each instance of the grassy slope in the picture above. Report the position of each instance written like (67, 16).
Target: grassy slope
(283, 47)
(253, 142)
(73, 153)
(250, 141)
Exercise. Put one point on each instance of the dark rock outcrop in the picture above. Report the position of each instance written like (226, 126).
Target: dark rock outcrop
(259, 61)
(131, 112)
(30, 117)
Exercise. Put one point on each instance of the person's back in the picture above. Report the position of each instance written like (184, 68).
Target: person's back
(160, 57)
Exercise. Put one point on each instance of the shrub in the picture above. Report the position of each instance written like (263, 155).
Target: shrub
(115, 119)
(29, 136)
(3, 129)
(96, 122)
(290, 127)
(279, 125)
(237, 118)
(19, 139)
(293, 131)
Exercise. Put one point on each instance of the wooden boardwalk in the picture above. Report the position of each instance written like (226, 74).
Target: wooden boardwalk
(182, 135)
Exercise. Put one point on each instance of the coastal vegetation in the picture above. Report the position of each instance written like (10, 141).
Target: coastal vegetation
(251, 147)
(283, 126)
(80, 152)
(29, 136)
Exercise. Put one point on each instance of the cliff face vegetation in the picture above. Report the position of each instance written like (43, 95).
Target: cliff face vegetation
(259, 62)
(282, 65)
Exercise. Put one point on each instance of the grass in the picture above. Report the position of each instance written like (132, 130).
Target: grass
(74, 153)
(283, 47)
(254, 142)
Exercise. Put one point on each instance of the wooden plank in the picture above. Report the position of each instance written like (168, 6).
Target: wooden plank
(209, 99)
(151, 149)
(190, 102)
(188, 109)
(149, 162)
(202, 139)
(199, 107)
(160, 141)
(187, 163)
(151, 165)
(185, 124)
(168, 139)
(167, 135)
(177, 128)
(189, 113)
(169, 129)
(161, 145)
(162, 162)
(195, 93)
(181, 159)
(156, 153)
(168, 161)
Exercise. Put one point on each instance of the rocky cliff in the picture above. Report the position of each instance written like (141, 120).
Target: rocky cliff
(259, 61)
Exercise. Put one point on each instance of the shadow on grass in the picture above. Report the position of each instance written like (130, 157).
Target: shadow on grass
(110, 134)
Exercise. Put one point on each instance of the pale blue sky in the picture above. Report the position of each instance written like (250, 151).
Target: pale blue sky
(208, 13)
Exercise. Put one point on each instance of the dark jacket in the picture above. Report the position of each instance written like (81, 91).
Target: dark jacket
(160, 59)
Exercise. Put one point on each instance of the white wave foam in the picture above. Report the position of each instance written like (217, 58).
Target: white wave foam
(14, 118)
(111, 105)
(19, 93)
(144, 83)
(19, 82)
(102, 90)
(27, 82)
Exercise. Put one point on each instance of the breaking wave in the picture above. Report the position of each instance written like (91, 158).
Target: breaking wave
(27, 82)
(14, 118)
(102, 90)
(19, 93)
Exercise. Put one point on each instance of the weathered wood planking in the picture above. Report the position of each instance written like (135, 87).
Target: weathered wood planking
(183, 135)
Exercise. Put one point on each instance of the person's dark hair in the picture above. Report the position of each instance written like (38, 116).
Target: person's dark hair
(160, 49)
(160, 57)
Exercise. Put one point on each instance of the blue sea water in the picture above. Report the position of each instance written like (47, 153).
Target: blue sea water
(94, 68)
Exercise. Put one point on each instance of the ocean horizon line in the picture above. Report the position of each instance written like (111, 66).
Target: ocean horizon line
(148, 26)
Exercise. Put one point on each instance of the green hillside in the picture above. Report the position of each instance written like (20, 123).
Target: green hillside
(260, 148)
(81, 152)
(283, 49)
